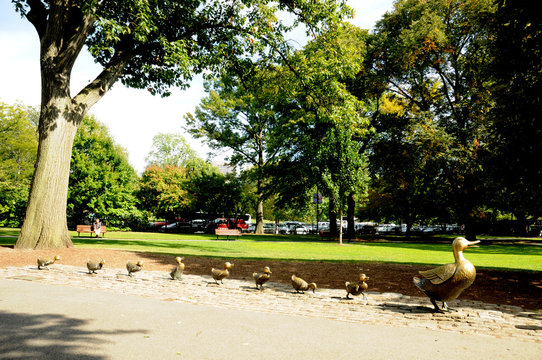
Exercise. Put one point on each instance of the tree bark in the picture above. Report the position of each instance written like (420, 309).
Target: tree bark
(332, 215)
(45, 224)
(259, 217)
(62, 29)
(351, 232)
(259, 210)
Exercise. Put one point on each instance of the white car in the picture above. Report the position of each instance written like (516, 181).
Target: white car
(300, 230)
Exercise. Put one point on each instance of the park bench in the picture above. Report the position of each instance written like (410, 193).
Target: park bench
(327, 234)
(227, 233)
(87, 229)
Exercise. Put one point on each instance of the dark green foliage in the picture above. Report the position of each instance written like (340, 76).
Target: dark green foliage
(516, 128)
(102, 182)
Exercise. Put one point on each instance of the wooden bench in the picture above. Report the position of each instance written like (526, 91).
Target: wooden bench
(327, 234)
(86, 229)
(227, 233)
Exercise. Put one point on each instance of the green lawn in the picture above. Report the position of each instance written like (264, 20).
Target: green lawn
(306, 248)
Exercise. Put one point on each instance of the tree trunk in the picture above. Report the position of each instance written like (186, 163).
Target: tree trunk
(45, 224)
(259, 217)
(333, 215)
(63, 27)
(259, 210)
(351, 232)
(341, 226)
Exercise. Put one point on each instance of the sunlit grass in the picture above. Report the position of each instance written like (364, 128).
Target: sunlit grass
(303, 248)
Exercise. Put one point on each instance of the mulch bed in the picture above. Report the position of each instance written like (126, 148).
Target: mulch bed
(491, 286)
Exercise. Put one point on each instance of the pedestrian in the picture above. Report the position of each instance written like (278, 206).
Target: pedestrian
(97, 227)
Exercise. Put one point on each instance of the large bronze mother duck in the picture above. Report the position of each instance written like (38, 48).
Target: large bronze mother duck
(447, 282)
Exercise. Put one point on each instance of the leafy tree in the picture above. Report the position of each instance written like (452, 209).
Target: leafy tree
(18, 145)
(170, 149)
(407, 158)
(147, 45)
(164, 191)
(239, 115)
(516, 127)
(323, 123)
(102, 182)
(434, 55)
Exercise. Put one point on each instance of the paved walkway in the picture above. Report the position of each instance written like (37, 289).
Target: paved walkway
(393, 314)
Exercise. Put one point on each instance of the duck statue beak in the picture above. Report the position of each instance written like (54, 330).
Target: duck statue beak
(473, 243)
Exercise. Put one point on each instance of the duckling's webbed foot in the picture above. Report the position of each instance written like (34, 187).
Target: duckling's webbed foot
(437, 309)
(364, 299)
(446, 308)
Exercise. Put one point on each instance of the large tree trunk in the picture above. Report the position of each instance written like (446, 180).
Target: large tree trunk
(45, 224)
(62, 27)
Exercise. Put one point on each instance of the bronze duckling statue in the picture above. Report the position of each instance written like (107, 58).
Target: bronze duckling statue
(177, 273)
(133, 267)
(357, 287)
(221, 274)
(446, 282)
(262, 278)
(92, 266)
(301, 285)
(44, 262)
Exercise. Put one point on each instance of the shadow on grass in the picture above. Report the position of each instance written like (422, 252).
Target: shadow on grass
(52, 336)
(516, 249)
(174, 245)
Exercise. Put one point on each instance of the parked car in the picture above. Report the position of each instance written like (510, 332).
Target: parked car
(300, 229)
(268, 228)
(225, 223)
(388, 229)
(168, 228)
(363, 229)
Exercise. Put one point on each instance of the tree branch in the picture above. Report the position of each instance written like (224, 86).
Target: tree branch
(94, 91)
(37, 16)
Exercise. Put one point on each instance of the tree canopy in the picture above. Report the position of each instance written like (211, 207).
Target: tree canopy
(102, 182)
(151, 45)
(18, 145)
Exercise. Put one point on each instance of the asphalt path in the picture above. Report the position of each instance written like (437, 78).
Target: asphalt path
(46, 321)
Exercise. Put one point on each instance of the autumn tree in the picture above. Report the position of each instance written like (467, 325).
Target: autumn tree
(149, 45)
(435, 57)
(164, 191)
(406, 161)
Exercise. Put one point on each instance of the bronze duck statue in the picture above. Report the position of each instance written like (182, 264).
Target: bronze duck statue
(221, 274)
(177, 273)
(44, 262)
(92, 266)
(262, 278)
(446, 282)
(357, 287)
(301, 285)
(133, 267)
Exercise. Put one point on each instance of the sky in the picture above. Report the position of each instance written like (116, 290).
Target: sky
(132, 116)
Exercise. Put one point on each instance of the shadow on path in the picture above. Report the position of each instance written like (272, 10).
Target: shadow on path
(50, 336)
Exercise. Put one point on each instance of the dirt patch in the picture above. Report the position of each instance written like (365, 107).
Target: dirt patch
(491, 286)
